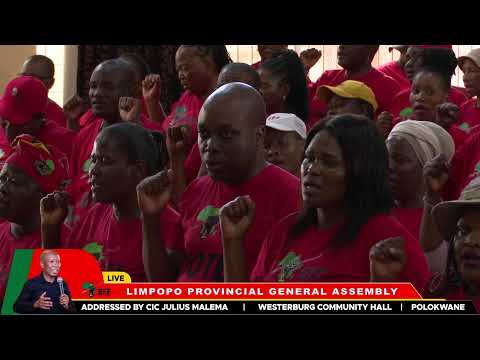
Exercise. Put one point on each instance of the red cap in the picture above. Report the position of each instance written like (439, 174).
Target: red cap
(24, 97)
(46, 165)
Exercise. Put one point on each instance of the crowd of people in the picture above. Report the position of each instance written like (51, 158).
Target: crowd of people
(256, 173)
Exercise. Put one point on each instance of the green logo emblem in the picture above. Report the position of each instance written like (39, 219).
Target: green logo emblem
(180, 112)
(209, 217)
(477, 168)
(88, 286)
(95, 249)
(465, 127)
(45, 168)
(289, 264)
(406, 112)
(86, 165)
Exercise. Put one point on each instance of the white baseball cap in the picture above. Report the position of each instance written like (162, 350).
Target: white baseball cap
(287, 122)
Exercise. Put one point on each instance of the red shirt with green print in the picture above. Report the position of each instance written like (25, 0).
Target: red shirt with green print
(310, 256)
(79, 188)
(118, 244)
(185, 112)
(199, 211)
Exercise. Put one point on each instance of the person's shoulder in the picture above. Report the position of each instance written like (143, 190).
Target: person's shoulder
(288, 221)
(88, 129)
(53, 128)
(283, 179)
(386, 79)
(382, 225)
(53, 106)
(327, 76)
(196, 187)
(468, 104)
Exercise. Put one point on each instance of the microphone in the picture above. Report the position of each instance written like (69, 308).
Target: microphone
(60, 283)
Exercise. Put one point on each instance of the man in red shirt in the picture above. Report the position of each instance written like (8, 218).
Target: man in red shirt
(356, 61)
(43, 68)
(395, 70)
(22, 111)
(231, 140)
(267, 52)
(110, 81)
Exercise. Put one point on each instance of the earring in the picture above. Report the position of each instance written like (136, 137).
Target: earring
(284, 97)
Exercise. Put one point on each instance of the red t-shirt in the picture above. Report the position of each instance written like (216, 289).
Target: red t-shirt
(256, 65)
(308, 257)
(8, 245)
(201, 230)
(80, 163)
(121, 240)
(55, 113)
(469, 115)
(185, 112)
(192, 164)
(401, 102)
(395, 71)
(465, 165)
(410, 218)
(384, 87)
(52, 134)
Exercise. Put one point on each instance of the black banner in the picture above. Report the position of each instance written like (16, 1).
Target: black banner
(272, 307)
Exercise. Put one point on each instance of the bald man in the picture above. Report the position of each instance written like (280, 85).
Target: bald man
(43, 68)
(231, 141)
(233, 72)
(267, 52)
(239, 72)
(47, 293)
(110, 81)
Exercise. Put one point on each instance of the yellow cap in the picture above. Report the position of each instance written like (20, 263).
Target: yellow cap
(350, 89)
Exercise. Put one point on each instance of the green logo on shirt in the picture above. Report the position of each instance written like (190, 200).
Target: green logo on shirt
(406, 112)
(45, 168)
(465, 127)
(289, 264)
(180, 112)
(86, 165)
(209, 217)
(95, 249)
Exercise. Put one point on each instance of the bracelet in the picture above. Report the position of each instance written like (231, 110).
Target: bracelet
(428, 203)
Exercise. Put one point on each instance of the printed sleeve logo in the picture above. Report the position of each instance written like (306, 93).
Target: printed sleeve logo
(86, 165)
(406, 112)
(180, 113)
(209, 217)
(465, 127)
(45, 168)
(288, 265)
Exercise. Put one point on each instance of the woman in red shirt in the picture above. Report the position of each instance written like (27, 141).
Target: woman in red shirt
(123, 155)
(411, 144)
(457, 222)
(283, 85)
(346, 201)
